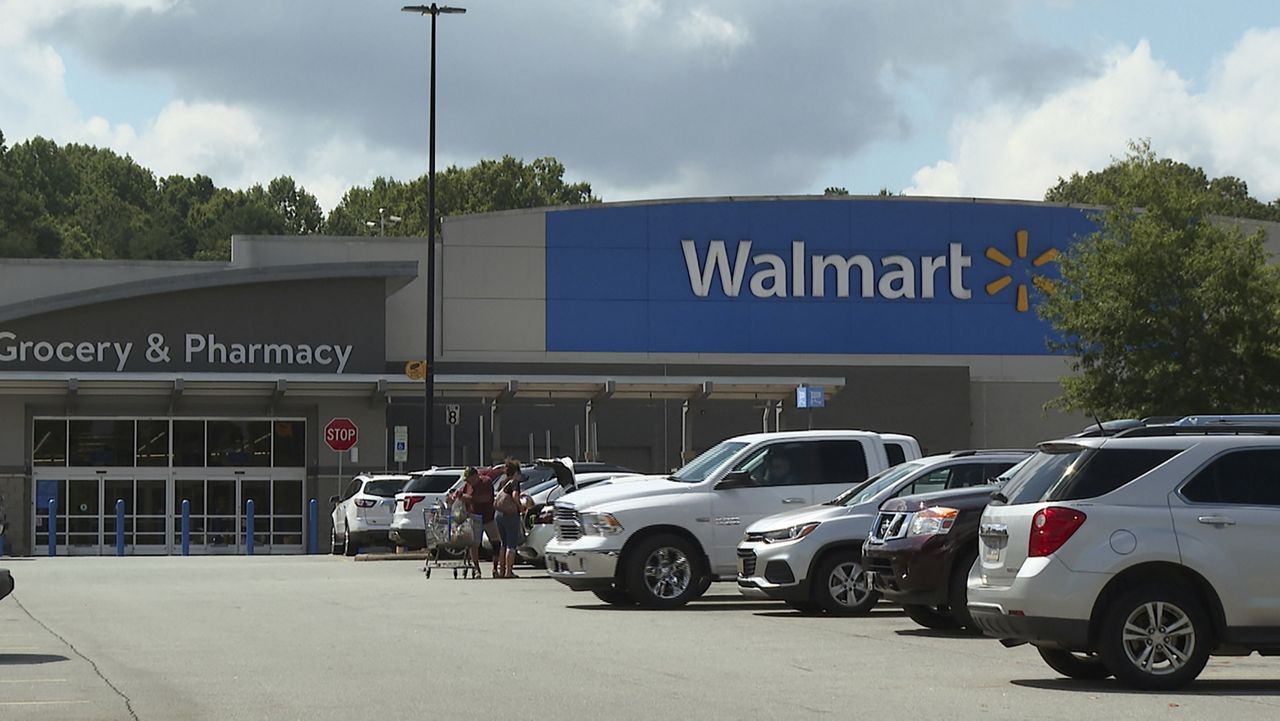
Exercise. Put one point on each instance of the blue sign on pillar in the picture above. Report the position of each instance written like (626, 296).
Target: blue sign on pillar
(817, 397)
(811, 397)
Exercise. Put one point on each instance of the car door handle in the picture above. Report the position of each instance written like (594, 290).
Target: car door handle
(1216, 520)
(793, 500)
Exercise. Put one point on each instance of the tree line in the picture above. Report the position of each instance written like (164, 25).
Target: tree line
(80, 201)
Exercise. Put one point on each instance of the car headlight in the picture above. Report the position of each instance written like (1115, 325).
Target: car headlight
(794, 533)
(933, 521)
(600, 524)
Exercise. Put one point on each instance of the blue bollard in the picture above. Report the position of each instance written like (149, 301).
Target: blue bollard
(186, 527)
(119, 526)
(313, 520)
(53, 528)
(248, 530)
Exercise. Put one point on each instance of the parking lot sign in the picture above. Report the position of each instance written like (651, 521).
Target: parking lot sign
(401, 445)
(811, 397)
(452, 412)
(817, 397)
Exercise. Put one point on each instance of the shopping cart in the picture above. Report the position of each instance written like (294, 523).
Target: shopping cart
(450, 538)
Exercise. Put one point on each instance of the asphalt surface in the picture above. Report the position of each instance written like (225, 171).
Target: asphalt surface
(322, 638)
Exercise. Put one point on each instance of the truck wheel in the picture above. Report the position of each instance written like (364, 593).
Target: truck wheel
(931, 617)
(1085, 666)
(664, 572)
(615, 596)
(840, 585)
(349, 545)
(335, 548)
(1155, 638)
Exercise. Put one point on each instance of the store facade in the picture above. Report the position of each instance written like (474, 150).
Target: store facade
(638, 333)
(133, 394)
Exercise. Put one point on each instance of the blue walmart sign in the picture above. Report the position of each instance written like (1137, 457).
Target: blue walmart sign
(803, 276)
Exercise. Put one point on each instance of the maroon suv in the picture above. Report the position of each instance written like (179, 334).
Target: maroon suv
(921, 549)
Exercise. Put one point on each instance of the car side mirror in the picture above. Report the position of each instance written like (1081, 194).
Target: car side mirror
(735, 479)
(334, 500)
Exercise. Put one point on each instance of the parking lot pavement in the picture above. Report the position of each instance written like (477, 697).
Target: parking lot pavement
(322, 638)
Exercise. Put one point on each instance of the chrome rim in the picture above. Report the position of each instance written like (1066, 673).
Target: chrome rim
(848, 584)
(667, 572)
(1159, 638)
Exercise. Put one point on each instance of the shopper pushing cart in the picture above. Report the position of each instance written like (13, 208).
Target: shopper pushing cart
(476, 497)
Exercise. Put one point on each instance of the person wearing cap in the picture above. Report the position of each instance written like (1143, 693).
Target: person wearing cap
(477, 494)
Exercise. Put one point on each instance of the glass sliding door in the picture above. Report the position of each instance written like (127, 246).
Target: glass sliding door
(151, 465)
(84, 516)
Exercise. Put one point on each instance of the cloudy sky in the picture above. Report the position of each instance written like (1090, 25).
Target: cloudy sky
(656, 98)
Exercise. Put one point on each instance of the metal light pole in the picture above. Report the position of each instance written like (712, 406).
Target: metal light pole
(381, 222)
(428, 394)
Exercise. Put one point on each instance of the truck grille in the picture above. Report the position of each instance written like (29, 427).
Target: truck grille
(890, 525)
(747, 562)
(568, 527)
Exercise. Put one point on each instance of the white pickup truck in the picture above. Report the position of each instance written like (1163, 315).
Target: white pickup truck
(662, 540)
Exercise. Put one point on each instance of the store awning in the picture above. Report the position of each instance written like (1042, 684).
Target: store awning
(532, 386)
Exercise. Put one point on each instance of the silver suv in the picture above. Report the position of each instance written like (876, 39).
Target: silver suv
(811, 558)
(1136, 556)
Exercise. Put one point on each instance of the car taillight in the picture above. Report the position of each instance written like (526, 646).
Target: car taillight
(1051, 527)
(411, 501)
(365, 503)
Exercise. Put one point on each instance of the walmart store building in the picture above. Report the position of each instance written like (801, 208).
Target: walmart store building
(638, 333)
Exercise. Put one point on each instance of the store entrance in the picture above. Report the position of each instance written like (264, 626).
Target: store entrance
(218, 506)
(151, 466)
(86, 511)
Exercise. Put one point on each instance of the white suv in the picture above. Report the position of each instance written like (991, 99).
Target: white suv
(362, 513)
(661, 541)
(811, 558)
(424, 490)
(1136, 556)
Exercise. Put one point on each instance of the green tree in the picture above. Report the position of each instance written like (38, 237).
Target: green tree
(1164, 310)
(1118, 184)
(489, 185)
(835, 190)
(233, 212)
(300, 209)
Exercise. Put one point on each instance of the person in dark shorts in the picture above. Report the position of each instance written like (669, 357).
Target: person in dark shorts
(507, 515)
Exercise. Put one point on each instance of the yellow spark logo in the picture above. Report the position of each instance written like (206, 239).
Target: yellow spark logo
(1006, 280)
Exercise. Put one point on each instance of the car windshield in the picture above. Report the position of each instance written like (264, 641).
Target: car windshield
(875, 485)
(699, 468)
(1036, 475)
(385, 487)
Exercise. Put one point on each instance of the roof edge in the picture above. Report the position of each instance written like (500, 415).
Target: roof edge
(397, 273)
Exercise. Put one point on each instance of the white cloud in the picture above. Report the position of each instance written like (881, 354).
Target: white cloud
(703, 28)
(634, 14)
(234, 143)
(1231, 127)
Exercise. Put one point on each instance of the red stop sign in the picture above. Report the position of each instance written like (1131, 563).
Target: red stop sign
(341, 434)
